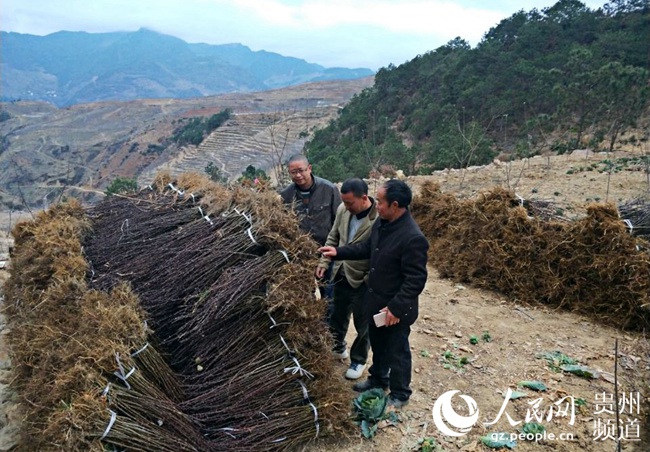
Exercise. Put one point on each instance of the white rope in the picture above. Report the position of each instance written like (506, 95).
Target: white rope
(250, 234)
(285, 344)
(248, 218)
(315, 419)
(521, 200)
(205, 216)
(629, 224)
(298, 370)
(121, 375)
(110, 424)
(177, 190)
(136, 353)
(305, 393)
(286, 256)
(278, 324)
(124, 223)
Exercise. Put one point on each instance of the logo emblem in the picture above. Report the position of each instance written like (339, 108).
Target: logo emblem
(448, 421)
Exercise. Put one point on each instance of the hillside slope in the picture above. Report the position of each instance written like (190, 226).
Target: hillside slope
(46, 151)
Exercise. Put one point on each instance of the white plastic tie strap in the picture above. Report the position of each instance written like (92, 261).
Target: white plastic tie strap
(180, 192)
(629, 224)
(297, 369)
(286, 256)
(278, 324)
(521, 200)
(279, 440)
(248, 218)
(205, 217)
(121, 375)
(110, 424)
(106, 389)
(305, 393)
(285, 345)
(315, 419)
(250, 234)
(137, 352)
(124, 229)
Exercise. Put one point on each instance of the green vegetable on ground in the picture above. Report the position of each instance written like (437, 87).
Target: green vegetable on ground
(533, 384)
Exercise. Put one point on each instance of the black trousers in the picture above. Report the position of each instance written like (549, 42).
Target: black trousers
(391, 359)
(349, 301)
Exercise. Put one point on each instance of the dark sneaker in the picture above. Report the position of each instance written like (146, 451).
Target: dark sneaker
(397, 403)
(366, 385)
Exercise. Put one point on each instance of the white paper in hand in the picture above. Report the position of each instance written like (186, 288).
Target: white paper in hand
(380, 319)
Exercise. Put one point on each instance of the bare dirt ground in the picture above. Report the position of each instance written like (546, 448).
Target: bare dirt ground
(450, 314)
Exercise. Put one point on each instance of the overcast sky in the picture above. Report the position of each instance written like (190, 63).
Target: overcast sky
(348, 33)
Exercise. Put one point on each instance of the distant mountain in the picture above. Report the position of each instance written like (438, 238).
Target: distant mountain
(68, 68)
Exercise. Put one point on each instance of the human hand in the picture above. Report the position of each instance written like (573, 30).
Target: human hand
(390, 318)
(327, 251)
(320, 272)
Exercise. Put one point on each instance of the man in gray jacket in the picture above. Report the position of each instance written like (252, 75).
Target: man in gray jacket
(353, 224)
(397, 250)
(314, 199)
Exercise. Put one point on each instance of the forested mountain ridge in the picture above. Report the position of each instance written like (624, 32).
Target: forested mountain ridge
(556, 79)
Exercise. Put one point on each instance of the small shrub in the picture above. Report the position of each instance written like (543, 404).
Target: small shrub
(121, 185)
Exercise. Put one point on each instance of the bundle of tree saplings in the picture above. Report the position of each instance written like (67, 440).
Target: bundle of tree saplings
(181, 317)
(635, 213)
(591, 265)
(68, 342)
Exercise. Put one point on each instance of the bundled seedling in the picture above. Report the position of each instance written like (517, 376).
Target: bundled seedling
(178, 318)
(591, 265)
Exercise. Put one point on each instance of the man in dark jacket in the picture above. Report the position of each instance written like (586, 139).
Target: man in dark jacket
(398, 272)
(314, 199)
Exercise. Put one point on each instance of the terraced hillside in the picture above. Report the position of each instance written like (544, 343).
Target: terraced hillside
(259, 139)
(47, 152)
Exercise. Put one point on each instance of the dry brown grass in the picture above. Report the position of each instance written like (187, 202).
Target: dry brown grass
(591, 265)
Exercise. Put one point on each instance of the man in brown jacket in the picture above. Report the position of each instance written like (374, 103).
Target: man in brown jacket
(353, 224)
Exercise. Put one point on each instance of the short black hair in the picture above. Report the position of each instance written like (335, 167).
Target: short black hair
(298, 158)
(397, 190)
(356, 186)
